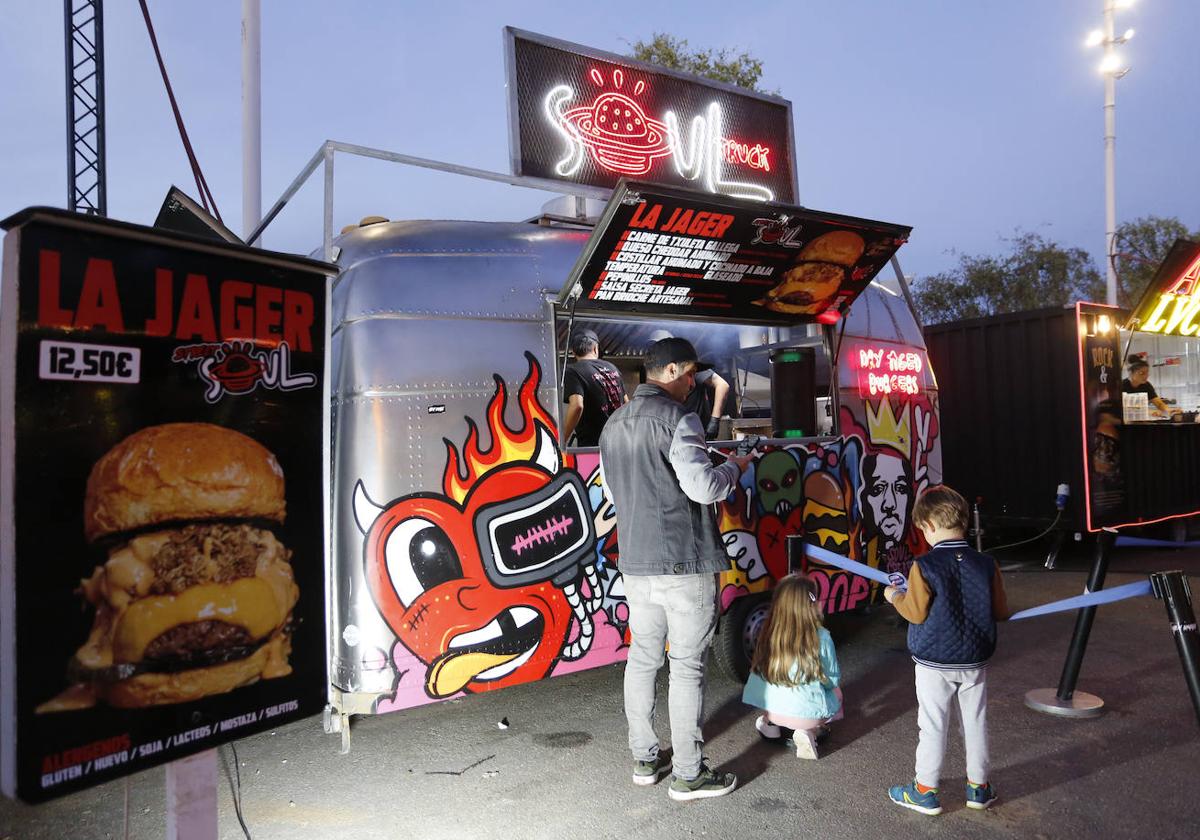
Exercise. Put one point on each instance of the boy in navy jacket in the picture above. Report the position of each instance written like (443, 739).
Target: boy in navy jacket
(955, 597)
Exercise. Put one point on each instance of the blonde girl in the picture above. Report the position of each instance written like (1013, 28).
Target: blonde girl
(794, 674)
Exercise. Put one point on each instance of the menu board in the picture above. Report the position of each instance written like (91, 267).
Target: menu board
(669, 252)
(164, 406)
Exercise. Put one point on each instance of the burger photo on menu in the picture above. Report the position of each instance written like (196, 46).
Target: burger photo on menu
(819, 271)
(196, 595)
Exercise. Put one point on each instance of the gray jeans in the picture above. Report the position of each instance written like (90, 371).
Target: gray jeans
(936, 689)
(680, 610)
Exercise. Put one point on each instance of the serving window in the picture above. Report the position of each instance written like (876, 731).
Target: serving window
(765, 377)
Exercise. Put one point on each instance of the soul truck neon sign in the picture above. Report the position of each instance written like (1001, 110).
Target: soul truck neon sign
(622, 138)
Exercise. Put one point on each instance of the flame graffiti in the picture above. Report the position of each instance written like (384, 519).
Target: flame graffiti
(737, 513)
(507, 444)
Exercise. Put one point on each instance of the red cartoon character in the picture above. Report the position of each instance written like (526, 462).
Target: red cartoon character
(482, 581)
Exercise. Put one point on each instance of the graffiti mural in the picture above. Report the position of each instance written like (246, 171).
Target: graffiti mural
(509, 572)
(852, 496)
(499, 577)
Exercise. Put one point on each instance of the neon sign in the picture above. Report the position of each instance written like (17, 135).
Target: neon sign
(1177, 307)
(592, 118)
(882, 372)
(621, 137)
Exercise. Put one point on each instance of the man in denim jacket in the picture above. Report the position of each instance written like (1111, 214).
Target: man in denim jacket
(655, 464)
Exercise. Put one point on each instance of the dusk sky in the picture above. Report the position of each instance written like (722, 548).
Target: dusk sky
(966, 120)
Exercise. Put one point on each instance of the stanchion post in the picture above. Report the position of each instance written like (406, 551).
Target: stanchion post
(1083, 620)
(1065, 701)
(1172, 589)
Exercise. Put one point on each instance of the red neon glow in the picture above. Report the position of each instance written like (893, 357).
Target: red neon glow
(829, 316)
(756, 156)
(617, 131)
(1087, 468)
(1187, 281)
(885, 371)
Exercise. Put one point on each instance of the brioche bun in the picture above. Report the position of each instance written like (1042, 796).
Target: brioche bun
(843, 247)
(181, 471)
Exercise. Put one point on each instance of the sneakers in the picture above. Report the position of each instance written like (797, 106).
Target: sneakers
(647, 772)
(907, 796)
(980, 796)
(708, 784)
(806, 743)
(769, 731)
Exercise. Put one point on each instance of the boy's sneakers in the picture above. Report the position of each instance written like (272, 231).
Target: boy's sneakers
(907, 796)
(769, 731)
(647, 772)
(708, 784)
(806, 743)
(980, 796)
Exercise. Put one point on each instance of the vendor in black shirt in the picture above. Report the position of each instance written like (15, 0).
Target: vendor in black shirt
(1139, 383)
(592, 390)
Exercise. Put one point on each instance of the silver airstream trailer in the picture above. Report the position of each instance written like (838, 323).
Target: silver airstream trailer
(473, 550)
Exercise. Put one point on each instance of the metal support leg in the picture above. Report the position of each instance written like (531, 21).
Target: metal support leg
(1060, 538)
(1172, 588)
(1066, 701)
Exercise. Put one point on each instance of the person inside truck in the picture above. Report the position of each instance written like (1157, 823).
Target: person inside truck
(1139, 383)
(707, 397)
(592, 390)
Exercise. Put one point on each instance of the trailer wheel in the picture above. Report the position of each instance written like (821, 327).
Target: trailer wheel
(740, 626)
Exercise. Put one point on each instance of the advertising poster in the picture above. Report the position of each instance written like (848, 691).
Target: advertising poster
(1100, 380)
(163, 511)
(659, 251)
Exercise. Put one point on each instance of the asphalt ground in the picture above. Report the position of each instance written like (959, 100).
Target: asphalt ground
(561, 767)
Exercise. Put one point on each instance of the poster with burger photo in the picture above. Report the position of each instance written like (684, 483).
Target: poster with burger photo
(164, 412)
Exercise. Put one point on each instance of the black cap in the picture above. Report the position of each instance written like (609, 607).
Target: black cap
(662, 353)
(582, 339)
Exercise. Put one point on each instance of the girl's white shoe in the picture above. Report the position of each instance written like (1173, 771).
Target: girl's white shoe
(806, 744)
(768, 730)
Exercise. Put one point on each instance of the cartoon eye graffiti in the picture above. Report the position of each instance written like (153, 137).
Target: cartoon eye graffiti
(789, 478)
(420, 556)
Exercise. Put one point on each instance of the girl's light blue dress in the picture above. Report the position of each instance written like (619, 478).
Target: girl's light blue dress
(808, 700)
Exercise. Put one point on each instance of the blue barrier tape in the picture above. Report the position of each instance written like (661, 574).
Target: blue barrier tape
(860, 569)
(1087, 599)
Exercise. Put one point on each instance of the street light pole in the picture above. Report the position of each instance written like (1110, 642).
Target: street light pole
(1110, 153)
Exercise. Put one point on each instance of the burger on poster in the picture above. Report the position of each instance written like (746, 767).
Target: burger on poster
(196, 595)
(819, 271)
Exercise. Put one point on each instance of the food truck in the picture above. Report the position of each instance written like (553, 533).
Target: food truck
(474, 550)
(447, 358)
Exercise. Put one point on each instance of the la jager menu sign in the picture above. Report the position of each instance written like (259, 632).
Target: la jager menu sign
(1171, 303)
(162, 538)
(591, 117)
(691, 255)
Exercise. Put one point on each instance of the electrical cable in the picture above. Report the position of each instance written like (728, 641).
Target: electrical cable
(1057, 517)
(206, 195)
(235, 788)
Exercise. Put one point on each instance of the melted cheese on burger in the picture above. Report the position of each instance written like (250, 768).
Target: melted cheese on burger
(128, 619)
